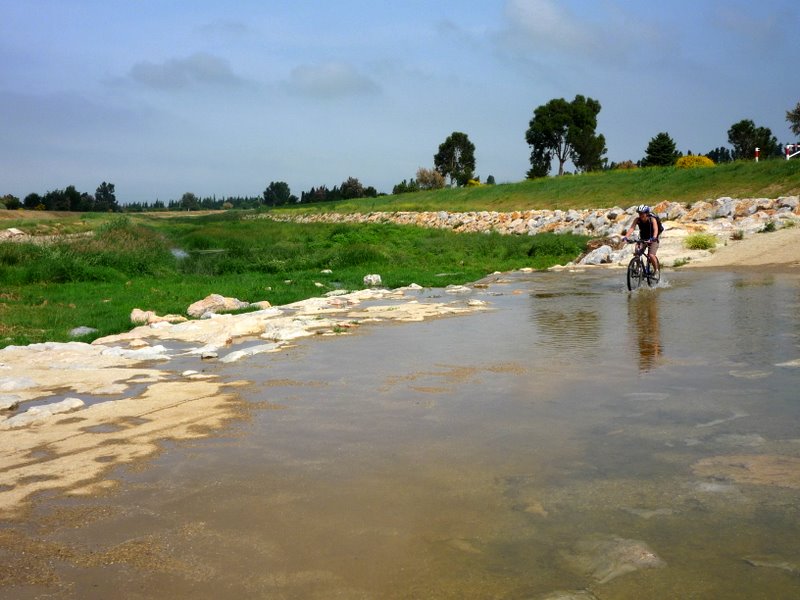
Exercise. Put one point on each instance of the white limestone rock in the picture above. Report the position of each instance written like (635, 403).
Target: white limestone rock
(39, 414)
(214, 303)
(372, 280)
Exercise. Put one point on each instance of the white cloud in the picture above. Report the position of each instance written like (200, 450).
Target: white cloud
(546, 25)
(332, 79)
(180, 73)
(611, 34)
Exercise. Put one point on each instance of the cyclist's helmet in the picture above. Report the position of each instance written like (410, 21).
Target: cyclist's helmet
(643, 208)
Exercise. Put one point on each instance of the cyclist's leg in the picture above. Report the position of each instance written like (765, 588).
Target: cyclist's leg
(651, 255)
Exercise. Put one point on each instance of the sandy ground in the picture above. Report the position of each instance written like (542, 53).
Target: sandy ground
(779, 249)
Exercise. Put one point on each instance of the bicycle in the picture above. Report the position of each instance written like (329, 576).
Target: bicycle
(639, 268)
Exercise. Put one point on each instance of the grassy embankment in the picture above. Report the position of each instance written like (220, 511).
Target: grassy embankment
(48, 289)
(766, 179)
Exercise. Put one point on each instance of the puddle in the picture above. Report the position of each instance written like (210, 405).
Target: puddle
(573, 441)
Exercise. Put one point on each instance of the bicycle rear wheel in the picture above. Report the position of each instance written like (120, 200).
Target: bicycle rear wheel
(635, 273)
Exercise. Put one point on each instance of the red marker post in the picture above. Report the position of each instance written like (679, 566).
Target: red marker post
(757, 151)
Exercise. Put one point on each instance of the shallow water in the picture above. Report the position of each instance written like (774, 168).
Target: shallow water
(509, 454)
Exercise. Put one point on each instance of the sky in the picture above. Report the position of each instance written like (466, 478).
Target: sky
(220, 99)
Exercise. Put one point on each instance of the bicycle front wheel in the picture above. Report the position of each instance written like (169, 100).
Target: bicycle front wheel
(635, 273)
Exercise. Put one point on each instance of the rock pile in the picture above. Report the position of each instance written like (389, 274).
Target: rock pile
(722, 214)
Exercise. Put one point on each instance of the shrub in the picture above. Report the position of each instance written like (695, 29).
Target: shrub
(429, 179)
(769, 227)
(626, 164)
(738, 235)
(693, 161)
(700, 241)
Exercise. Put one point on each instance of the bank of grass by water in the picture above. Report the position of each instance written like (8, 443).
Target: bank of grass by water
(49, 289)
(741, 179)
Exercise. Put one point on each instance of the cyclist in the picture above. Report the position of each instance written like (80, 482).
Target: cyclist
(648, 232)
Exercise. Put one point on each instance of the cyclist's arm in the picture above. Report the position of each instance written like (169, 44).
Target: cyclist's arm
(632, 227)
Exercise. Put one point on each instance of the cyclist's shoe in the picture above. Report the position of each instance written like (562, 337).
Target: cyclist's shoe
(653, 274)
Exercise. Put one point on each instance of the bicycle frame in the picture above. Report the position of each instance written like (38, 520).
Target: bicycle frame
(640, 266)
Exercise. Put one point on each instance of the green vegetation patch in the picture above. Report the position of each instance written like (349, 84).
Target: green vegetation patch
(165, 264)
(700, 241)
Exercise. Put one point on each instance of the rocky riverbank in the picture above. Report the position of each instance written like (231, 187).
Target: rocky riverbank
(725, 218)
(720, 216)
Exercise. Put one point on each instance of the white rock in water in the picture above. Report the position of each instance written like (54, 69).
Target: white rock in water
(9, 402)
(457, 289)
(607, 557)
(40, 414)
(252, 351)
(144, 353)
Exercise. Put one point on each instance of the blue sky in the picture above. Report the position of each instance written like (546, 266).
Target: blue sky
(162, 98)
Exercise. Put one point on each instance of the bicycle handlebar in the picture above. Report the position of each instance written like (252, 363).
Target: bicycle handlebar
(636, 240)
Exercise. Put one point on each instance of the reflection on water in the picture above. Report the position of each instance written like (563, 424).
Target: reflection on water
(562, 330)
(576, 439)
(644, 320)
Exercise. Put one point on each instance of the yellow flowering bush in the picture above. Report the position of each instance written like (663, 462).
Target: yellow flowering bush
(691, 162)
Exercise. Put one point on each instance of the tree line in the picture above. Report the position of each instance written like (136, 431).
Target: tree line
(559, 131)
(68, 199)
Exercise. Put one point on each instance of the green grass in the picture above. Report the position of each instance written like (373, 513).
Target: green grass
(743, 179)
(700, 241)
(47, 290)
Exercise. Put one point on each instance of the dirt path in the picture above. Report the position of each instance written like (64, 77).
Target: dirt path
(776, 250)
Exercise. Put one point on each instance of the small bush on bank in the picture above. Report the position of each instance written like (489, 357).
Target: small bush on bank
(693, 162)
(700, 241)
(769, 227)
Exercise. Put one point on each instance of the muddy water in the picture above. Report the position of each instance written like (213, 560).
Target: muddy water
(576, 438)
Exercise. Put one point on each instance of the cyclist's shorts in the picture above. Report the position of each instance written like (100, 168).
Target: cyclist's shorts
(653, 248)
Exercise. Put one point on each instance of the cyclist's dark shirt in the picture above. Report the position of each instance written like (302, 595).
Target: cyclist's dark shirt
(646, 228)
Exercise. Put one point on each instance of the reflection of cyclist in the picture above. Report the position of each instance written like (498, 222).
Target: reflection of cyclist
(648, 232)
(643, 310)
